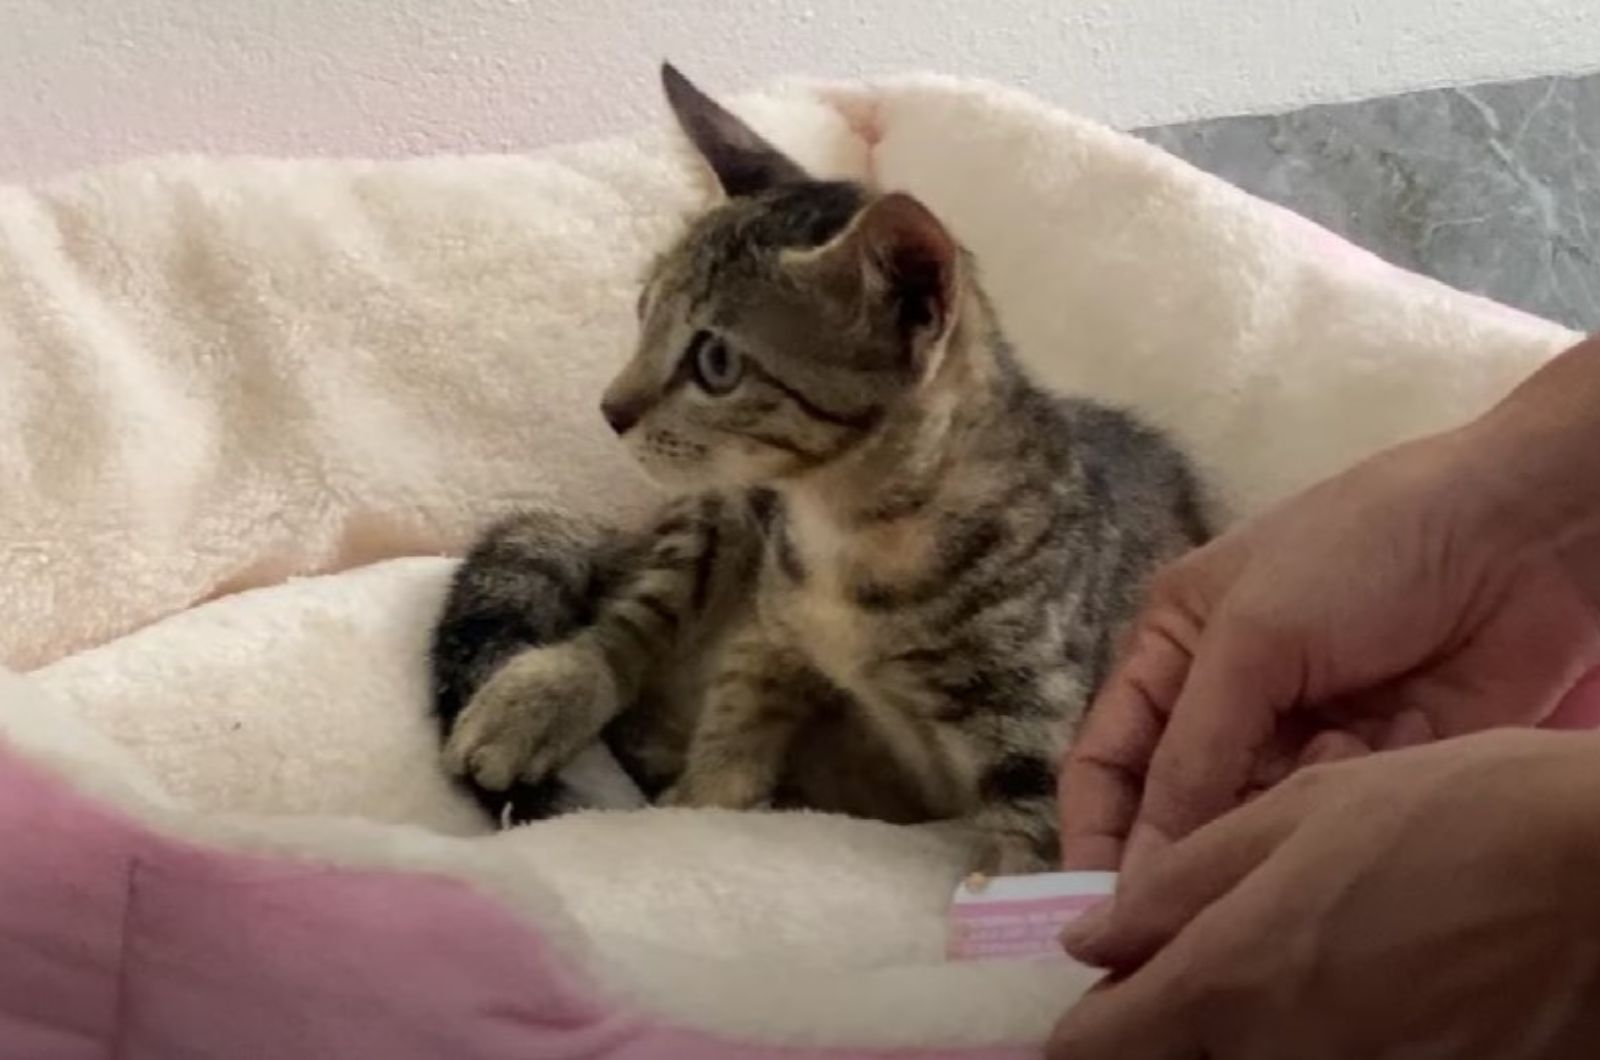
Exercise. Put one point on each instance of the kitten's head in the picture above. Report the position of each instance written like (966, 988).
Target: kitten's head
(787, 323)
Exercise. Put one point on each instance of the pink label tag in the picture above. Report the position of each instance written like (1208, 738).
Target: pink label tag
(1020, 916)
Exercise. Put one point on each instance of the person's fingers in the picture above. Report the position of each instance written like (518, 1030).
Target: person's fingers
(1244, 675)
(1518, 668)
(1143, 1017)
(1282, 755)
(1104, 773)
(1153, 905)
(1580, 708)
(1333, 745)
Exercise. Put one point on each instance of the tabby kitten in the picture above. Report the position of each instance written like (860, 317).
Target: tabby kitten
(897, 568)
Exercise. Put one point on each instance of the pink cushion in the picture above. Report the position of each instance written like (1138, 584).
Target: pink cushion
(119, 942)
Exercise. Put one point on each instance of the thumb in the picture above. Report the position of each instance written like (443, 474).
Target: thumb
(1140, 1018)
(1152, 906)
(1245, 675)
(1104, 771)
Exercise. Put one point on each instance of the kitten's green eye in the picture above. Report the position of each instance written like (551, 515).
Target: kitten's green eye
(716, 368)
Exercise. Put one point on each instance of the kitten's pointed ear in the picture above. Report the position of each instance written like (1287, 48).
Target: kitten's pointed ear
(912, 263)
(743, 162)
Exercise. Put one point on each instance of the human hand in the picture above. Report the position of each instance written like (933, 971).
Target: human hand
(1433, 902)
(1399, 602)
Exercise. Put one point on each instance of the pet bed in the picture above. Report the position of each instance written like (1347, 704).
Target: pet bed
(248, 406)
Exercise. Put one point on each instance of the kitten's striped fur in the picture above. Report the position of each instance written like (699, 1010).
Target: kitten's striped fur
(898, 568)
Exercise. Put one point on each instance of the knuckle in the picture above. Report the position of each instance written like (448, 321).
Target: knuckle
(1306, 784)
(1073, 1039)
(1191, 990)
(1167, 585)
(1166, 627)
(1180, 585)
(1251, 624)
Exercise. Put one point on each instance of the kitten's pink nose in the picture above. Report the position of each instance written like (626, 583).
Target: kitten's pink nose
(622, 415)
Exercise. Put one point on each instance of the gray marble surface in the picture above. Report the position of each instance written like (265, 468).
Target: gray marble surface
(1490, 188)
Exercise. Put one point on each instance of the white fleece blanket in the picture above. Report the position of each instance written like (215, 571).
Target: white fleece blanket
(220, 375)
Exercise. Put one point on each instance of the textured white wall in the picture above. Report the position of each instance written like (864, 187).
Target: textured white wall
(90, 80)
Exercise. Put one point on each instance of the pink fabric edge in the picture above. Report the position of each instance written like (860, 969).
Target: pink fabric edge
(117, 941)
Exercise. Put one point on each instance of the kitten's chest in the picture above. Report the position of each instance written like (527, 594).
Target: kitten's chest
(816, 614)
(811, 590)
(810, 601)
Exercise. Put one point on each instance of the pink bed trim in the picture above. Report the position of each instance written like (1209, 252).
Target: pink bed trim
(117, 942)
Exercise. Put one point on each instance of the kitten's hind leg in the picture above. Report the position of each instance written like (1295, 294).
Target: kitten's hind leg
(531, 580)
(540, 705)
(1016, 816)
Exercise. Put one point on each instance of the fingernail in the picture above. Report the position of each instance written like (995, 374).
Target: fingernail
(1081, 932)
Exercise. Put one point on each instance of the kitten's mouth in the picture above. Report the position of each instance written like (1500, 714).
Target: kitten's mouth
(666, 457)
(681, 464)
(673, 447)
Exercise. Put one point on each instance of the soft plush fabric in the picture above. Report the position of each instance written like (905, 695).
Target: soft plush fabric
(177, 950)
(219, 375)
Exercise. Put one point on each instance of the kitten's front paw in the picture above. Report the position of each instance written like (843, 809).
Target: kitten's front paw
(727, 789)
(1008, 855)
(533, 716)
